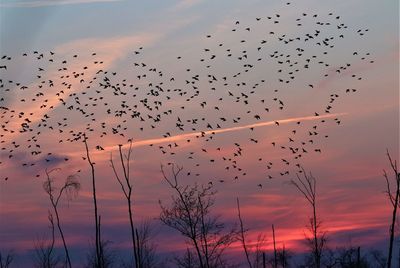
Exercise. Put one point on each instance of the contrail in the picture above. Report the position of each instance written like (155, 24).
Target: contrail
(223, 130)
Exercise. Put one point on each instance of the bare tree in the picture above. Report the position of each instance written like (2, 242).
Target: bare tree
(70, 187)
(306, 184)
(187, 261)
(45, 256)
(242, 237)
(98, 244)
(189, 214)
(394, 200)
(255, 257)
(146, 248)
(275, 255)
(108, 256)
(351, 257)
(378, 259)
(259, 258)
(283, 257)
(6, 260)
(126, 187)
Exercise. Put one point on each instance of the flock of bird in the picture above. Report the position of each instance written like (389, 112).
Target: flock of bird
(192, 110)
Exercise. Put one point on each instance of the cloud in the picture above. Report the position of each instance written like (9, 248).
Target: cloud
(51, 160)
(45, 3)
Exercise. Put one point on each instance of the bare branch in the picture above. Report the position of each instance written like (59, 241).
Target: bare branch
(71, 187)
(96, 216)
(307, 187)
(394, 200)
(242, 234)
(388, 191)
(117, 177)
(189, 214)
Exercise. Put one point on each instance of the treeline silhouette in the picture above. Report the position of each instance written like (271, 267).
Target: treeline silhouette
(208, 239)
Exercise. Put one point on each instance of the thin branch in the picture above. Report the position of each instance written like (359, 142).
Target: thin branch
(388, 191)
(117, 177)
(97, 223)
(242, 234)
(394, 200)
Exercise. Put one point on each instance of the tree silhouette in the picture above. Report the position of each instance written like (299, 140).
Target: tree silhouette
(257, 249)
(242, 237)
(5, 261)
(126, 187)
(190, 215)
(275, 253)
(70, 188)
(378, 259)
(306, 185)
(99, 258)
(283, 257)
(44, 250)
(108, 256)
(146, 249)
(254, 253)
(394, 200)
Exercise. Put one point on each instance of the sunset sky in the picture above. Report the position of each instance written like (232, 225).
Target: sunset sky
(184, 46)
